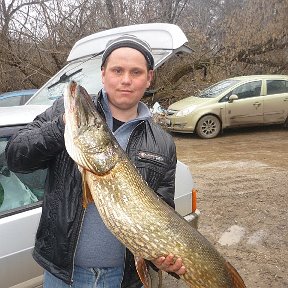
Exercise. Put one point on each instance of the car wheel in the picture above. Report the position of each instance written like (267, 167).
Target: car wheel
(208, 126)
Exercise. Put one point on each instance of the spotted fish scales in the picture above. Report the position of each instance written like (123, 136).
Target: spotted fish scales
(142, 221)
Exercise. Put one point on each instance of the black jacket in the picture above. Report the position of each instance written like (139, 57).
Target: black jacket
(41, 145)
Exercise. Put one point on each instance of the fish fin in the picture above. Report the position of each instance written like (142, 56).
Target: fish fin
(143, 271)
(156, 276)
(87, 197)
(160, 278)
(237, 280)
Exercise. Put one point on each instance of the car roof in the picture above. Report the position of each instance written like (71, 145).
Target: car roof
(17, 115)
(22, 92)
(260, 77)
(164, 36)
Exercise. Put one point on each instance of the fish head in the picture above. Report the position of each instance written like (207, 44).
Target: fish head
(79, 107)
(87, 137)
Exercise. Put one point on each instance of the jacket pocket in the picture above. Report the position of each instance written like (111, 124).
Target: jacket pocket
(152, 167)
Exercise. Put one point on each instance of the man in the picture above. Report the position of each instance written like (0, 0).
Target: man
(72, 243)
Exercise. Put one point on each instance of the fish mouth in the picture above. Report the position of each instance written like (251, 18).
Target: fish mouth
(72, 87)
(79, 105)
(69, 96)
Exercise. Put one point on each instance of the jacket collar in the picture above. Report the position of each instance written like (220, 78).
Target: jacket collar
(102, 99)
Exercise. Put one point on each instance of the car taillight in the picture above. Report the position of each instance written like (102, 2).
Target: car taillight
(194, 200)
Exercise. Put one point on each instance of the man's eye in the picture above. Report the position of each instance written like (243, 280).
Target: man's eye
(136, 72)
(117, 71)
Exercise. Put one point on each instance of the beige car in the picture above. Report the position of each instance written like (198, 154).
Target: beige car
(240, 101)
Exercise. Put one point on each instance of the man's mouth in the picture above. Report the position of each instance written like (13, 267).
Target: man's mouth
(125, 91)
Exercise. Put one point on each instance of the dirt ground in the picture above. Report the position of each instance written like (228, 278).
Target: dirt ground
(242, 183)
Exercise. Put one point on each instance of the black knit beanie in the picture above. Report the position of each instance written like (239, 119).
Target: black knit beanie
(130, 41)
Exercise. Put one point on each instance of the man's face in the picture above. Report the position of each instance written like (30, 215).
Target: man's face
(125, 78)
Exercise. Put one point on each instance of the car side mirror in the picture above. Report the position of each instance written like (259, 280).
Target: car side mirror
(232, 98)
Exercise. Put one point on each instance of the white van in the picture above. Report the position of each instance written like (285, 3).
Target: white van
(21, 194)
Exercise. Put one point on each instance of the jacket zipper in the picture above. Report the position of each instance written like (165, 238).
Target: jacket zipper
(132, 132)
(73, 262)
(123, 267)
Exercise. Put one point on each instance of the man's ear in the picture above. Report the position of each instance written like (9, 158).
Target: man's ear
(150, 77)
(102, 74)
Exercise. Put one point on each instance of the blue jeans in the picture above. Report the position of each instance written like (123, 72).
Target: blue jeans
(88, 278)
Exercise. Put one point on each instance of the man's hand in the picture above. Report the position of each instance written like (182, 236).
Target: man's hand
(168, 264)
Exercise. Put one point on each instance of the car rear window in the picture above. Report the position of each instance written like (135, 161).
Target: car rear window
(277, 87)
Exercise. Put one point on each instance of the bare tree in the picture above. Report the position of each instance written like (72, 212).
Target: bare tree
(36, 37)
(229, 37)
(262, 40)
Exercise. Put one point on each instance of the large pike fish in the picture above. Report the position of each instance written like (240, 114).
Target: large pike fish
(134, 213)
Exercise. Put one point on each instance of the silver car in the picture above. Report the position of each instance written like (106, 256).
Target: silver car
(21, 194)
(15, 98)
(235, 102)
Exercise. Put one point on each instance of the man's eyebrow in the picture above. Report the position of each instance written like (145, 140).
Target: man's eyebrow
(116, 66)
(130, 68)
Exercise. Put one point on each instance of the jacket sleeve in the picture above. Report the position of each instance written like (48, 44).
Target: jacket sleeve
(33, 146)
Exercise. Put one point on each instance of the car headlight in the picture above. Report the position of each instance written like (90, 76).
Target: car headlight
(186, 111)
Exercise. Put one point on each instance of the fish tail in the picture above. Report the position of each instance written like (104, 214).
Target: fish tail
(237, 280)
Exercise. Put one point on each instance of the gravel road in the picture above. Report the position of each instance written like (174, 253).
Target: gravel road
(242, 182)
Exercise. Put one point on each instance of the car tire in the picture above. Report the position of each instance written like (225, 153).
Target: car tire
(208, 126)
(285, 124)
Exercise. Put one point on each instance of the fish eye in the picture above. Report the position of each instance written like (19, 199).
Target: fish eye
(97, 122)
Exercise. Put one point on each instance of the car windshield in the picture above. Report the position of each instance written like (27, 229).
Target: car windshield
(83, 71)
(214, 90)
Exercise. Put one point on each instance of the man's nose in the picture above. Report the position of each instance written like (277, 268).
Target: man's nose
(126, 78)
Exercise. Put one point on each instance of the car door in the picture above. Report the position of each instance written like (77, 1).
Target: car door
(248, 108)
(20, 210)
(276, 101)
